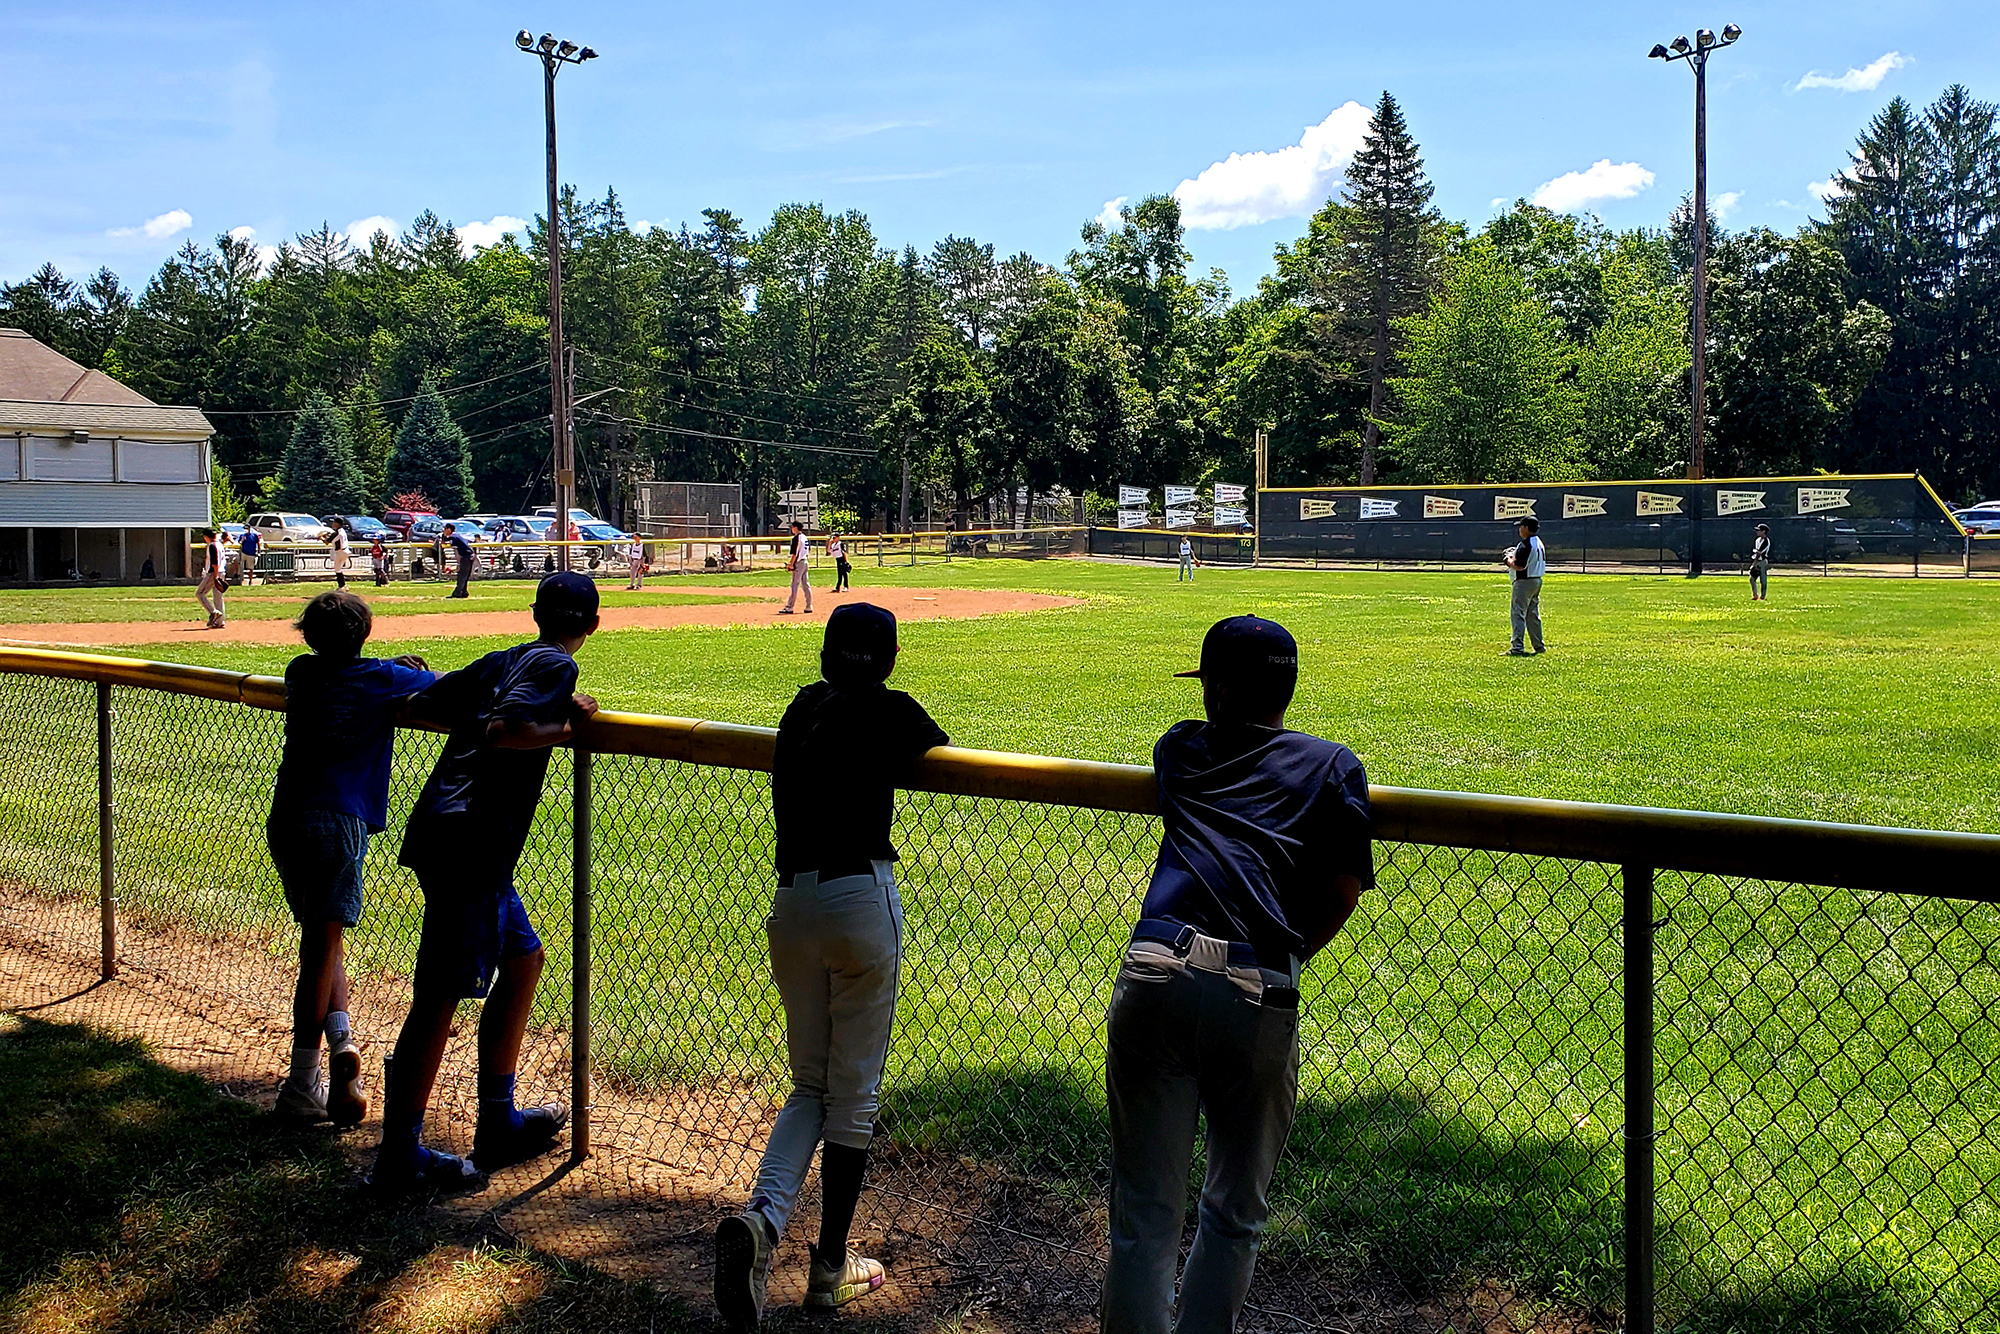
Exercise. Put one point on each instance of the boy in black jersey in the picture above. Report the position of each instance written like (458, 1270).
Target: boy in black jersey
(836, 930)
(505, 712)
(1264, 848)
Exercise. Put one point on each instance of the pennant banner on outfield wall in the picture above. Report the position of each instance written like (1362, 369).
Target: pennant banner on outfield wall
(1826, 521)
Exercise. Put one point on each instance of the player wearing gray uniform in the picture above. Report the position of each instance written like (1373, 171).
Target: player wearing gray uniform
(799, 566)
(836, 936)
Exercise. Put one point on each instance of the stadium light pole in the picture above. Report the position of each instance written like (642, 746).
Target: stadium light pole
(1696, 54)
(554, 54)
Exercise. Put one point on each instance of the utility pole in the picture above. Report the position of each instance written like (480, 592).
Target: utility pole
(554, 55)
(1262, 475)
(1696, 55)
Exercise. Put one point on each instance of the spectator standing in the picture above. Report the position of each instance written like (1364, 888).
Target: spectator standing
(837, 549)
(461, 551)
(330, 796)
(1760, 564)
(471, 822)
(252, 544)
(378, 561)
(1187, 562)
(797, 562)
(1264, 849)
(338, 538)
(214, 577)
(836, 936)
(1529, 562)
(635, 560)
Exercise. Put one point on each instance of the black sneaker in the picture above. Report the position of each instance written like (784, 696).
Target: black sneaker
(742, 1271)
(440, 1174)
(495, 1146)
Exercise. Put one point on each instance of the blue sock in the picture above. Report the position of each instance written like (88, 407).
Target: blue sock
(403, 1142)
(496, 1101)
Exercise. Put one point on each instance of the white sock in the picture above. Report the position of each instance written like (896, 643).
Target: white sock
(305, 1066)
(339, 1028)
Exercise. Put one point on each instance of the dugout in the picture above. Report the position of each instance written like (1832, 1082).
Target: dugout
(1892, 523)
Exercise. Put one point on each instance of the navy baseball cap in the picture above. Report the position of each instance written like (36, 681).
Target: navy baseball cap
(1250, 652)
(860, 642)
(567, 591)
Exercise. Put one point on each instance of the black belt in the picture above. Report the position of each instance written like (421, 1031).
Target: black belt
(837, 871)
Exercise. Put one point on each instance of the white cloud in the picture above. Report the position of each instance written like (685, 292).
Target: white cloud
(478, 235)
(1725, 204)
(170, 223)
(1828, 188)
(1604, 179)
(267, 255)
(1864, 80)
(1248, 188)
(362, 231)
(1112, 216)
(242, 233)
(1497, 202)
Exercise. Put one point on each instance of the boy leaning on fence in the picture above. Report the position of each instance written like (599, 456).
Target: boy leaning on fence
(504, 713)
(331, 794)
(836, 938)
(1265, 844)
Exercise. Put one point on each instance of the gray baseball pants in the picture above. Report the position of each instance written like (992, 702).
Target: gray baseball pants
(1192, 1033)
(1527, 613)
(836, 953)
(800, 583)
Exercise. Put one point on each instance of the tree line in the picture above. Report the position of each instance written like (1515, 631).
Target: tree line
(1389, 345)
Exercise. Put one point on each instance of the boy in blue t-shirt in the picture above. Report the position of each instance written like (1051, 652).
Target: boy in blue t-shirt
(504, 713)
(331, 794)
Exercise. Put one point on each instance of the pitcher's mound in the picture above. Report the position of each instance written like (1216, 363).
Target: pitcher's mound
(750, 606)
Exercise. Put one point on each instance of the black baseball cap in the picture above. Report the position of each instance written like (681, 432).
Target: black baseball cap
(567, 592)
(1253, 654)
(860, 643)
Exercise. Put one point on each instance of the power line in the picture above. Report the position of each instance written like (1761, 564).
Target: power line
(766, 421)
(727, 384)
(360, 402)
(736, 439)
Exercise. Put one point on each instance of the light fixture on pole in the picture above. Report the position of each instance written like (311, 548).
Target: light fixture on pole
(554, 55)
(1696, 54)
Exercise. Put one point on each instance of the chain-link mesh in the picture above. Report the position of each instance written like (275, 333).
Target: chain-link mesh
(1830, 1140)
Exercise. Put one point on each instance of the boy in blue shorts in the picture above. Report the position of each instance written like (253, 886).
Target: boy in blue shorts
(504, 714)
(331, 794)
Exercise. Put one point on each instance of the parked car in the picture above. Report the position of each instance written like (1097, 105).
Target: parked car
(402, 521)
(279, 527)
(577, 517)
(1985, 505)
(1976, 520)
(615, 540)
(361, 529)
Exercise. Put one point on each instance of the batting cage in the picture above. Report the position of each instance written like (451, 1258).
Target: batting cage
(1889, 524)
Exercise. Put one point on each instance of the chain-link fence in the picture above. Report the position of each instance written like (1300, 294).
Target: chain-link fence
(1505, 1056)
(1164, 544)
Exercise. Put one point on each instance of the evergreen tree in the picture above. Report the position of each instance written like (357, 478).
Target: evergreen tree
(1390, 244)
(432, 454)
(319, 475)
(371, 436)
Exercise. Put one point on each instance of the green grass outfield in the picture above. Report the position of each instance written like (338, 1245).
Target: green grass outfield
(1834, 1132)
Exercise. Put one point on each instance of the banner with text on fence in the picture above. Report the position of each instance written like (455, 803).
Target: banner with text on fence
(1652, 522)
(1229, 493)
(1130, 497)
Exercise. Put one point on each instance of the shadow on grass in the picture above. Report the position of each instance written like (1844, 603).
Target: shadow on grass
(138, 1199)
(1806, 1304)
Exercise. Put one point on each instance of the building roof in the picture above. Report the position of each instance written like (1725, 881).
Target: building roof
(42, 388)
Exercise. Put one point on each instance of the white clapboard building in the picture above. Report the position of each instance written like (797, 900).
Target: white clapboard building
(95, 478)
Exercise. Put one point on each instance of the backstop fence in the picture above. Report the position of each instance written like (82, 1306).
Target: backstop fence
(1890, 524)
(1569, 1066)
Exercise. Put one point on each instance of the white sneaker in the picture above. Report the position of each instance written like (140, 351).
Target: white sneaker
(307, 1106)
(857, 1276)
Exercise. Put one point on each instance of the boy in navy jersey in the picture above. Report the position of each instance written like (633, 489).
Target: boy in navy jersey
(1264, 848)
(331, 794)
(504, 713)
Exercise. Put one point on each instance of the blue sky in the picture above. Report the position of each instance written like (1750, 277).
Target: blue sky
(133, 127)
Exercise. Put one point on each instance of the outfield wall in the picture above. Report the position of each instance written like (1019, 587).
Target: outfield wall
(1831, 522)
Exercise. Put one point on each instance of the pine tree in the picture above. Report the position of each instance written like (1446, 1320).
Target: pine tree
(1383, 247)
(431, 453)
(318, 474)
(371, 445)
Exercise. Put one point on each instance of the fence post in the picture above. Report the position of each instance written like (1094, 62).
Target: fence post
(1638, 882)
(579, 962)
(107, 849)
